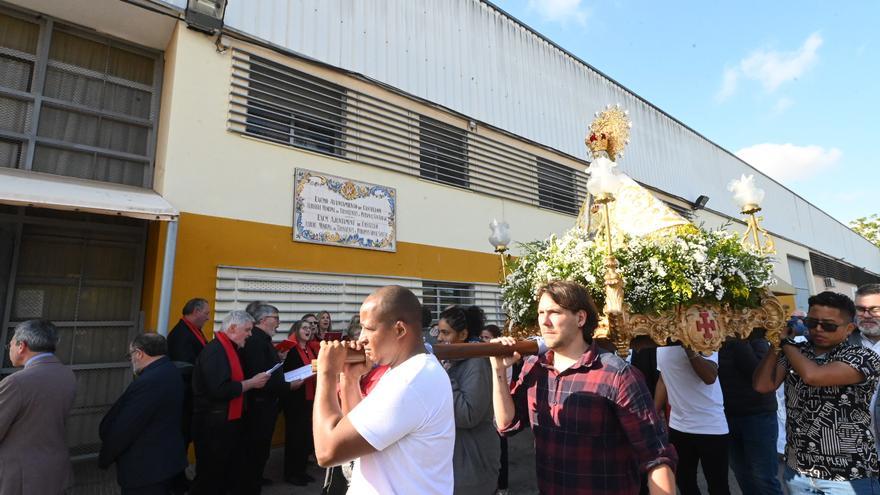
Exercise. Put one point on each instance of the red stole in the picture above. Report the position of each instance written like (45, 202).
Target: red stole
(237, 404)
(314, 345)
(371, 379)
(307, 355)
(195, 331)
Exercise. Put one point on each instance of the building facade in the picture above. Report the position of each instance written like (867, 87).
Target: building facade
(144, 163)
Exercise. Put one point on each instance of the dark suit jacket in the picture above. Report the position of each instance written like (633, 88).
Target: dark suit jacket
(183, 346)
(141, 432)
(259, 355)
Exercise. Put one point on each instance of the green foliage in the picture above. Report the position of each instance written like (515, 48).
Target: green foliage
(868, 227)
(691, 266)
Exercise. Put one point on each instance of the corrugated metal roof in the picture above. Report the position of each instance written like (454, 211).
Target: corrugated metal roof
(471, 57)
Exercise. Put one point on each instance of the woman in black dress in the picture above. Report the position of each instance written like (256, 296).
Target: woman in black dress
(297, 407)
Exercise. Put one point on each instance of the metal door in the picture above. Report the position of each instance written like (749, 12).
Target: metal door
(84, 275)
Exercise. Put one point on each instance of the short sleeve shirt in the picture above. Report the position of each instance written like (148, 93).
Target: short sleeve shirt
(409, 419)
(829, 428)
(697, 408)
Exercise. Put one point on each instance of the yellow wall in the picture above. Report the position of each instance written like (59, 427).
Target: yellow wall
(205, 242)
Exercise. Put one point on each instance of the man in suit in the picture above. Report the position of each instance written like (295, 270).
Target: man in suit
(141, 432)
(219, 386)
(34, 404)
(185, 341)
(259, 354)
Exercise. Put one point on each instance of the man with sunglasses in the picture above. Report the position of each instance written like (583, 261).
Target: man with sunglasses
(829, 384)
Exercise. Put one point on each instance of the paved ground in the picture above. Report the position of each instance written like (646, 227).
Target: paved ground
(92, 481)
(522, 472)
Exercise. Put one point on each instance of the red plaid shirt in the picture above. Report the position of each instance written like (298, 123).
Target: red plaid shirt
(595, 425)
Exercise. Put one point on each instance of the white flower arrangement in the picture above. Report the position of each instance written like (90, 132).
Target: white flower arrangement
(659, 272)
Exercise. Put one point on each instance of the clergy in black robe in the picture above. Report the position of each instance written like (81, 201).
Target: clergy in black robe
(259, 354)
(185, 341)
(218, 406)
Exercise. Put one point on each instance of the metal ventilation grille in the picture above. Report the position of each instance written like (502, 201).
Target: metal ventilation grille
(286, 106)
(298, 293)
(824, 266)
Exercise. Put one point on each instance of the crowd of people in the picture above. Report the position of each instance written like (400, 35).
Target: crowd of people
(800, 418)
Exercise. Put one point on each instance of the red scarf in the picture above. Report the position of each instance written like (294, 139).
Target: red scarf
(237, 404)
(195, 331)
(371, 379)
(307, 355)
(314, 345)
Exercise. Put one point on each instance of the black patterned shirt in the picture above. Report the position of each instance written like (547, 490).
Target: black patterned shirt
(829, 428)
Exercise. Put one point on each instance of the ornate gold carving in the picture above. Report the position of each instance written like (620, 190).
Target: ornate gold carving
(755, 235)
(702, 328)
(609, 133)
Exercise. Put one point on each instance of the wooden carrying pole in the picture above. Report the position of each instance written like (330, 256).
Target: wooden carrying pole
(462, 351)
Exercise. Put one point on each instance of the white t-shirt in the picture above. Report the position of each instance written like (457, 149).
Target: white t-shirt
(696, 407)
(408, 418)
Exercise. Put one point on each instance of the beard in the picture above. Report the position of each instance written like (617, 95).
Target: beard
(868, 326)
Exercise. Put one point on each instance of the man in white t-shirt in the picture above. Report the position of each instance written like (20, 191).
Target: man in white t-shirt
(403, 433)
(697, 426)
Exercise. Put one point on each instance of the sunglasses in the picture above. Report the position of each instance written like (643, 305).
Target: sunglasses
(827, 326)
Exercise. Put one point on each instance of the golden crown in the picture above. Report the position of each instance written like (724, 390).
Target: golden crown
(609, 132)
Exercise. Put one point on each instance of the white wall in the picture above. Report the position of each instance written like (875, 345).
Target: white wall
(467, 56)
(208, 170)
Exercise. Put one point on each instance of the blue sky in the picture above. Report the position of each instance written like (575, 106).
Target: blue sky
(791, 87)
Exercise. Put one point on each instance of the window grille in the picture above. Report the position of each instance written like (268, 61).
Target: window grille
(443, 153)
(556, 187)
(76, 104)
(297, 293)
(277, 103)
(290, 107)
(823, 266)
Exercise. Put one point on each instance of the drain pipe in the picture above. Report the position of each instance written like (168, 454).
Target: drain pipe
(167, 278)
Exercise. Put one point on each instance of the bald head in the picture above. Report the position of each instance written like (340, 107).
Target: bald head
(395, 303)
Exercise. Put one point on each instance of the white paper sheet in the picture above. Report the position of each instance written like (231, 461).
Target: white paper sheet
(300, 373)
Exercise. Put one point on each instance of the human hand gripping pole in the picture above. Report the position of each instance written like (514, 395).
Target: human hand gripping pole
(502, 402)
(506, 347)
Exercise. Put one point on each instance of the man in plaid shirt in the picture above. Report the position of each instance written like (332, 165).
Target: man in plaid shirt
(594, 421)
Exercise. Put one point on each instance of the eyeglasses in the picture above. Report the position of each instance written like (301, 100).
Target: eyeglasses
(130, 353)
(827, 326)
(871, 310)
